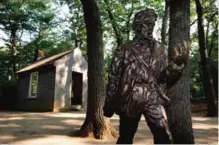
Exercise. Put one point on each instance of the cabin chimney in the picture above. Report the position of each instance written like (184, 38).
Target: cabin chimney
(40, 54)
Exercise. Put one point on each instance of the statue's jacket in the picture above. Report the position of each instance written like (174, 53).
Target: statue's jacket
(136, 73)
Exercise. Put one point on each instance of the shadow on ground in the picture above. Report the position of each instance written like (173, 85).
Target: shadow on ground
(62, 128)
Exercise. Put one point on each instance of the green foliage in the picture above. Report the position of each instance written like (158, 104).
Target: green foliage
(4, 65)
(37, 26)
(211, 32)
(18, 19)
(24, 15)
(76, 33)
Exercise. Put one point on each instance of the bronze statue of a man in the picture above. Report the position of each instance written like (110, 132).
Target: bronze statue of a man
(137, 70)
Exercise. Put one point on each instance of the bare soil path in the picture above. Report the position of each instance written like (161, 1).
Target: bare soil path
(26, 128)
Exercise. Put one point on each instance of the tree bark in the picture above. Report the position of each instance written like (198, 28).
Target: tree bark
(119, 39)
(95, 122)
(207, 33)
(13, 50)
(74, 35)
(213, 38)
(178, 111)
(205, 67)
(36, 51)
(128, 28)
(164, 24)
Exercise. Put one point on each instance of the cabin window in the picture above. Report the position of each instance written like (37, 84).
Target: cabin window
(33, 85)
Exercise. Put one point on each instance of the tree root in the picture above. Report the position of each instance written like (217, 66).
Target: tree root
(98, 129)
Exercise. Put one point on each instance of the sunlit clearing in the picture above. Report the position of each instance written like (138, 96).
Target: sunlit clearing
(72, 122)
(200, 119)
(204, 126)
(52, 127)
(9, 125)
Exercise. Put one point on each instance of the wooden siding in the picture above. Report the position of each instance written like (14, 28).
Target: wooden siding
(54, 84)
(45, 91)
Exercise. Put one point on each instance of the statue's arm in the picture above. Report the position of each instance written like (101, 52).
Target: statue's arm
(113, 81)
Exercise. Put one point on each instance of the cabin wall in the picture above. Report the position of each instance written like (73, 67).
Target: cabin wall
(80, 65)
(63, 83)
(45, 91)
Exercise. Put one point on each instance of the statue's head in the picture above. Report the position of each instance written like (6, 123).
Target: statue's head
(144, 22)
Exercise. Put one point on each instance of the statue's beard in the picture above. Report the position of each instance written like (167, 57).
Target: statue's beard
(145, 35)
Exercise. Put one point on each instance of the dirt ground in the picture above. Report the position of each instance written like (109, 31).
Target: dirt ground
(27, 128)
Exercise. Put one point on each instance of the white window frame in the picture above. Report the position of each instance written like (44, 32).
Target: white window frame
(30, 85)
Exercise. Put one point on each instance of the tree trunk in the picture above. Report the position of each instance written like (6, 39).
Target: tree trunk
(119, 39)
(128, 28)
(76, 42)
(36, 53)
(13, 52)
(205, 67)
(178, 111)
(213, 38)
(164, 24)
(74, 34)
(207, 33)
(95, 123)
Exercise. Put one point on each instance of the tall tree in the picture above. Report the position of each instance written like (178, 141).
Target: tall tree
(95, 121)
(205, 66)
(164, 23)
(77, 23)
(17, 17)
(210, 17)
(115, 26)
(179, 114)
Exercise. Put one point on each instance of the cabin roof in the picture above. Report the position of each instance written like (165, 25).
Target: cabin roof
(44, 61)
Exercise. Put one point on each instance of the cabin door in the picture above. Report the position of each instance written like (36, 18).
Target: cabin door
(77, 87)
